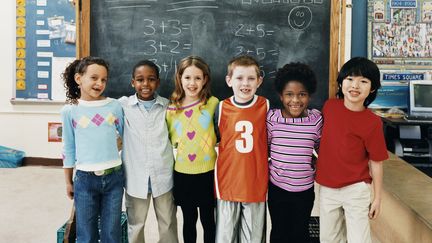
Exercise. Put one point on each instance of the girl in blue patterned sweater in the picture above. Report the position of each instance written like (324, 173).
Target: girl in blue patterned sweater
(91, 125)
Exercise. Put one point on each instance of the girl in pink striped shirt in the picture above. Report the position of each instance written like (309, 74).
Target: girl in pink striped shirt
(294, 131)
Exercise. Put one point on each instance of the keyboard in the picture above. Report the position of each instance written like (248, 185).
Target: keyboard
(418, 118)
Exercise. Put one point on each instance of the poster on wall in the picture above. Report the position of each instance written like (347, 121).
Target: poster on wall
(394, 92)
(400, 33)
(45, 44)
(54, 131)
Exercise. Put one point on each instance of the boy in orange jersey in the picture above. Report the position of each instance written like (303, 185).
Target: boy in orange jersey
(242, 167)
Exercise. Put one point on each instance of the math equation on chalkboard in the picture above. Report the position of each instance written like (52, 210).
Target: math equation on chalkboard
(275, 32)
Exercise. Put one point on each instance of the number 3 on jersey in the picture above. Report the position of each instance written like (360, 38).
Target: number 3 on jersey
(244, 145)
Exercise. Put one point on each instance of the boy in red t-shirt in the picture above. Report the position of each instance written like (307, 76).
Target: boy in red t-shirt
(352, 143)
(242, 169)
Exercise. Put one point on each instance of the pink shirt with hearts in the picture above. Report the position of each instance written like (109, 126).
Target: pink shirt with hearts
(192, 134)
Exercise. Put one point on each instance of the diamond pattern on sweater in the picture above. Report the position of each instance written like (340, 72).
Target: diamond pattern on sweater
(98, 119)
(83, 122)
(111, 119)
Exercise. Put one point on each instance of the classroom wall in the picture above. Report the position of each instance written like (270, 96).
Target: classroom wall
(23, 126)
(359, 30)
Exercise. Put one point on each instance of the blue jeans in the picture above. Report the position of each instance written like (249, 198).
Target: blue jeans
(98, 196)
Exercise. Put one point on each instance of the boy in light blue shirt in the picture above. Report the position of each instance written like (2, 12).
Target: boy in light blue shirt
(148, 156)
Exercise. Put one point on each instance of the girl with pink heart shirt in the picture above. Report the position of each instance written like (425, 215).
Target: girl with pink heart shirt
(192, 133)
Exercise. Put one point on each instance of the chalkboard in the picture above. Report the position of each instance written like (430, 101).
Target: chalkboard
(275, 32)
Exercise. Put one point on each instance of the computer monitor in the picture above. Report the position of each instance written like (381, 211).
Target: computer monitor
(420, 96)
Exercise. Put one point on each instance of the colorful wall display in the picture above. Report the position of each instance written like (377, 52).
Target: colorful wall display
(45, 43)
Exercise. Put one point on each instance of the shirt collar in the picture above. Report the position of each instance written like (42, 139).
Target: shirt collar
(133, 100)
(94, 102)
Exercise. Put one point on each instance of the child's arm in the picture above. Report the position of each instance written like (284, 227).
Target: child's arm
(69, 155)
(69, 183)
(216, 121)
(377, 180)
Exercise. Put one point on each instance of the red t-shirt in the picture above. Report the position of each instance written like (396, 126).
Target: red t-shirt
(242, 165)
(349, 140)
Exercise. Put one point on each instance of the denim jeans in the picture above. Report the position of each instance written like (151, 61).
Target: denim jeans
(98, 196)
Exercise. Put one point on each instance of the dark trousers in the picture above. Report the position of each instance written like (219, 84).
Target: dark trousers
(190, 216)
(290, 213)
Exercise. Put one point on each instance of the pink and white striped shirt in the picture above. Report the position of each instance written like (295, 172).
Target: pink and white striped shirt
(291, 143)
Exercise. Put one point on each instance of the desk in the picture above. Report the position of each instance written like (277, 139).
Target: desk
(406, 212)
(408, 138)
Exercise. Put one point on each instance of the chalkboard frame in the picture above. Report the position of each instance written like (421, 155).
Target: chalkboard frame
(337, 37)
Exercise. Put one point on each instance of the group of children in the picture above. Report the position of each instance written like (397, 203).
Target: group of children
(168, 153)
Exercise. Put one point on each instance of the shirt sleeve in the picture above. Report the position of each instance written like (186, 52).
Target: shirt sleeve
(269, 128)
(318, 134)
(120, 120)
(68, 138)
(375, 143)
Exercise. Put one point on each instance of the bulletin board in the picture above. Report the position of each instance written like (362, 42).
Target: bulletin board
(400, 33)
(400, 43)
(45, 44)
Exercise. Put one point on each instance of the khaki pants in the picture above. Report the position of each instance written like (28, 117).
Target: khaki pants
(137, 209)
(344, 214)
(240, 222)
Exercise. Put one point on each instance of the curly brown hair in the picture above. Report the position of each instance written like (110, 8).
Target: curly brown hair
(73, 92)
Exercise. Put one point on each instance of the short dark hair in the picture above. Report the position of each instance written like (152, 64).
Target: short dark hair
(296, 71)
(360, 66)
(145, 63)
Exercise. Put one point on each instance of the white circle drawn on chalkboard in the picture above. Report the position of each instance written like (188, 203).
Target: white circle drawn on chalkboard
(300, 17)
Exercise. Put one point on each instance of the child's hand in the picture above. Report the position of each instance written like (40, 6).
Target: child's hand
(119, 143)
(69, 191)
(374, 209)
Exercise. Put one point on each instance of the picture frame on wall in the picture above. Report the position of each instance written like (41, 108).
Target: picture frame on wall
(54, 132)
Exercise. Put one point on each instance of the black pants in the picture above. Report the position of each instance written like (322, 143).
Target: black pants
(290, 213)
(190, 216)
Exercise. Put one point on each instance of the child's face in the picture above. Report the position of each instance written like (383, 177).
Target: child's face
(192, 81)
(355, 90)
(244, 81)
(145, 82)
(92, 82)
(295, 99)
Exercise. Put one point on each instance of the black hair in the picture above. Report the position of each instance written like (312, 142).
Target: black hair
(73, 92)
(296, 71)
(360, 66)
(145, 63)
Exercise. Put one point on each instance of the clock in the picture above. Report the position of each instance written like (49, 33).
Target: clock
(20, 53)
(20, 32)
(20, 64)
(20, 43)
(20, 21)
(20, 74)
(20, 11)
(20, 85)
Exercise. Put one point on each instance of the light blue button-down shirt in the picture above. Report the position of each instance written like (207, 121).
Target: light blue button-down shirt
(147, 152)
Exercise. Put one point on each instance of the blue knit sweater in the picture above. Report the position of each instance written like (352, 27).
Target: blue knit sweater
(90, 131)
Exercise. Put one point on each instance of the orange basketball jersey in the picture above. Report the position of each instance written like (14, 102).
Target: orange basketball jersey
(242, 165)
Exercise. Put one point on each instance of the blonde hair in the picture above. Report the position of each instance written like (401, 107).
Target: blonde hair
(178, 95)
(244, 61)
